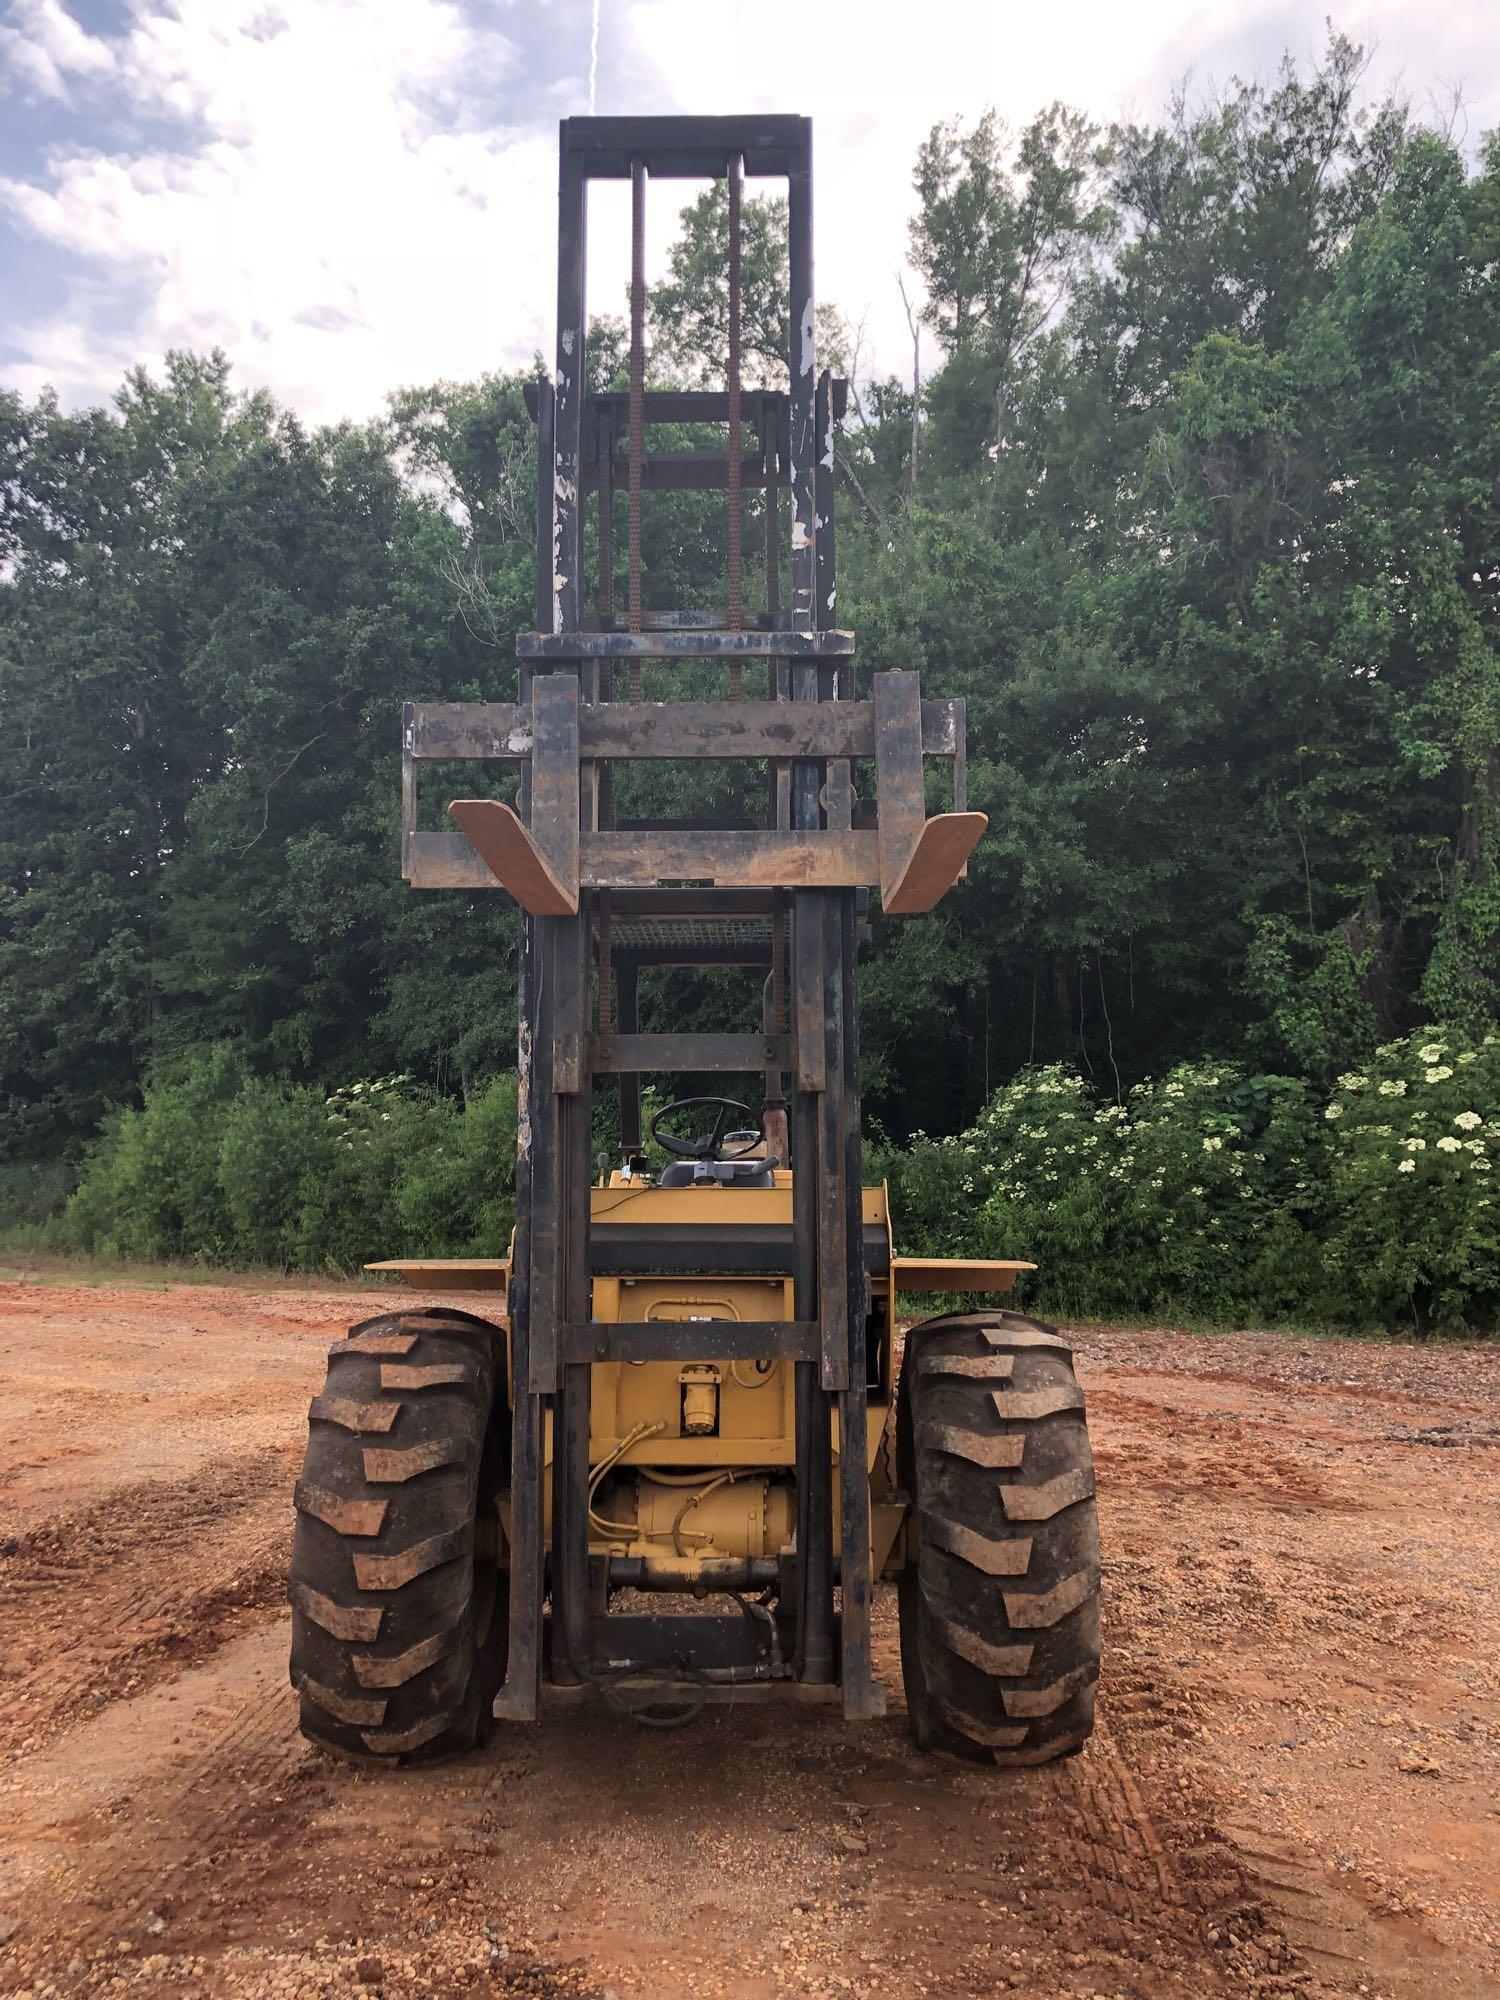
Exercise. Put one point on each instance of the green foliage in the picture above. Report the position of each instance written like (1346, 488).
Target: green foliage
(1001, 233)
(689, 310)
(1207, 1192)
(1414, 1214)
(151, 1188)
(1221, 604)
(274, 1149)
(1226, 1196)
(206, 633)
(1181, 1197)
(222, 1167)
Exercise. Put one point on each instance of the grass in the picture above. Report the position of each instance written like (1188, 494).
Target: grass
(53, 1267)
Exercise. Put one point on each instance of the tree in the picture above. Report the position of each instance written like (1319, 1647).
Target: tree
(999, 238)
(688, 312)
(1234, 209)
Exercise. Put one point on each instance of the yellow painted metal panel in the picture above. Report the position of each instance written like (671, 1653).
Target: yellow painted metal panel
(450, 1274)
(954, 1274)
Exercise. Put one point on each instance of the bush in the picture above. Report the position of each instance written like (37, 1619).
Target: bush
(1209, 1211)
(1040, 1166)
(221, 1167)
(32, 1194)
(1411, 1140)
(150, 1187)
(274, 1149)
(1166, 1201)
(1210, 1193)
(1204, 1193)
(463, 1190)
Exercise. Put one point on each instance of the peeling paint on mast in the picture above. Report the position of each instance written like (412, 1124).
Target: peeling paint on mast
(568, 417)
(801, 430)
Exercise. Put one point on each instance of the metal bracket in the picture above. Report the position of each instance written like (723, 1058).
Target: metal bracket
(537, 864)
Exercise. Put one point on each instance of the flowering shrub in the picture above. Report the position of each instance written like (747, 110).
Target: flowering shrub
(1049, 1148)
(1214, 1179)
(1212, 1192)
(1167, 1199)
(1414, 1227)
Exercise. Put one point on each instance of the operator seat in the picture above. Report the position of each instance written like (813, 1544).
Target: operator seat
(742, 1172)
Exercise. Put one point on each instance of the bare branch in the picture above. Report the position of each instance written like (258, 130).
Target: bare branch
(853, 478)
(914, 325)
(265, 804)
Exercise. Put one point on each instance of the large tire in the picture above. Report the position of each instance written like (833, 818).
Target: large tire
(399, 1608)
(1000, 1594)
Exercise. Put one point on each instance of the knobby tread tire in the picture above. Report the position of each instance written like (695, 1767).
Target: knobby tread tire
(1000, 1597)
(399, 1618)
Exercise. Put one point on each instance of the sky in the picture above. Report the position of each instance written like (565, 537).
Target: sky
(349, 196)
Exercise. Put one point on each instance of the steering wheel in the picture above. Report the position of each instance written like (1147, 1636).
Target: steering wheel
(707, 1146)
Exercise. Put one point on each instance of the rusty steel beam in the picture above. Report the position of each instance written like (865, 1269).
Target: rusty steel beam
(687, 148)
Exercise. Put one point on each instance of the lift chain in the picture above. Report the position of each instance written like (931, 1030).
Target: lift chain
(606, 967)
(778, 966)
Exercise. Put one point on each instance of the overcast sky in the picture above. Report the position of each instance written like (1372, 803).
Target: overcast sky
(351, 195)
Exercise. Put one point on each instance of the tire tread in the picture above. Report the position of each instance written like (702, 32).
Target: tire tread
(1000, 1603)
(398, 1625)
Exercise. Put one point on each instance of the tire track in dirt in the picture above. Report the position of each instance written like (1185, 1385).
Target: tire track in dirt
(232, 1857)
(132, 1589)
(116, 1808)
(809, 1853)
(191, 1841)
(1109, 1872)
(1320, 1572)
(176, 1846)
(1221, 1450)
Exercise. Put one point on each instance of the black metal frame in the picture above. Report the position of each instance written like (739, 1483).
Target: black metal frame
(554, 1341)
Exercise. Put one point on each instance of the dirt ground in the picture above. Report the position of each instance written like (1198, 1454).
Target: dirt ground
(1295, 1787)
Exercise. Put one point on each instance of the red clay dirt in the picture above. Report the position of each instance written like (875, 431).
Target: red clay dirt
(1295, 1788)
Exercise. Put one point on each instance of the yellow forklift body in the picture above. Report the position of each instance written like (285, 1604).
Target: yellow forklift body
(653, 1423)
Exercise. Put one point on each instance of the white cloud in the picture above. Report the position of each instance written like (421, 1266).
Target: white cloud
(363, 194)
(46, 46)
(343, 227)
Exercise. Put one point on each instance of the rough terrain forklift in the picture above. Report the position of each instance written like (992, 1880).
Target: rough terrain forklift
(690, 1399)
